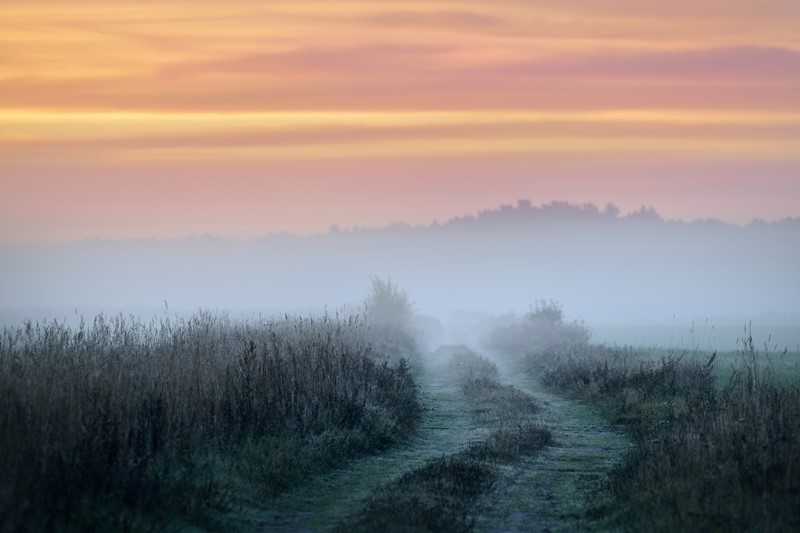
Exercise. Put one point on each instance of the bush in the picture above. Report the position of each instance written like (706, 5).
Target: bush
(542, 329)
(389, 312)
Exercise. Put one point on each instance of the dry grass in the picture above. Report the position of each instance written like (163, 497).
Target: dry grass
(439, 496)
(499, 406)
(493, 404)
(465, 365)
(707, 458)
(728, 465)
(640, 392)
(118, 420)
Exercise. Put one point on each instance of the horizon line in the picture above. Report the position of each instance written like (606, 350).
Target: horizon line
(610, 210)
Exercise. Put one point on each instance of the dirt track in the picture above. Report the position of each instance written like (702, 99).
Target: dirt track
(447, 426)
(550, 492)
(556, 490)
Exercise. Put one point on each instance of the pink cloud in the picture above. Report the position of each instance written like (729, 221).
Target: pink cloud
(462, 20)
(748, 63)
(501, 88)
(312, 60)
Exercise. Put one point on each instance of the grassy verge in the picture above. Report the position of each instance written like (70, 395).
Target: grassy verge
(706, 457)
(710, 454)
(126, 425)
(444, 494)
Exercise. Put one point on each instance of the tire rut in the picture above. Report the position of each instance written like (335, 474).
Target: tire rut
(447, 427)
(556, 490)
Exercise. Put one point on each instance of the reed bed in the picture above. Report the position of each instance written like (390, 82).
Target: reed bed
(120, 423)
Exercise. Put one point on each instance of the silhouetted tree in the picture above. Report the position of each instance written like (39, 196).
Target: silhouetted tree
(389, 311)
(387, 305)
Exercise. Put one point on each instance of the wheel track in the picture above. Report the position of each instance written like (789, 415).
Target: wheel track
(556, 490)
(549, 492)
(447, 427)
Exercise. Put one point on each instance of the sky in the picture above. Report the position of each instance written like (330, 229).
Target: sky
(176, 118)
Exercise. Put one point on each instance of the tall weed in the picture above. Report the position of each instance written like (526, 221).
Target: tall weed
(119, 419)
(707, 458)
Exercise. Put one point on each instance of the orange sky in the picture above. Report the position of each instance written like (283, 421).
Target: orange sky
(174, 118)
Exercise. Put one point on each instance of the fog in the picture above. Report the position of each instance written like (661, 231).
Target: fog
(633, 278)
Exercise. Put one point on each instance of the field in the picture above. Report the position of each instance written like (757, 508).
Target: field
(714, 441)
(339, 422)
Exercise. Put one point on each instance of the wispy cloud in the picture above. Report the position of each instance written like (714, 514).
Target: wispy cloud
(443, 20)
(371, 58)
(741, 63)
(295, 135)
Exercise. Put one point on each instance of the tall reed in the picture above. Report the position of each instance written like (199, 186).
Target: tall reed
(116, 419)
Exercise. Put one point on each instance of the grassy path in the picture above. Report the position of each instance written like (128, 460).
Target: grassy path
(557, 490)
(447, 426)
(553, 491)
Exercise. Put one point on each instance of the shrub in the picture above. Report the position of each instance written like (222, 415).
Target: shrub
(542, 329)
(388, 312)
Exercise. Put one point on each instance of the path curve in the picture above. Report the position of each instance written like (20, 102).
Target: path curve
(447, 427)
(554, 490)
